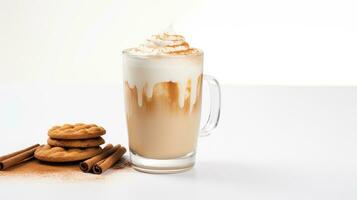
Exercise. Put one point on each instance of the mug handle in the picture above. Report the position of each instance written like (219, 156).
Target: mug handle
(215, 105)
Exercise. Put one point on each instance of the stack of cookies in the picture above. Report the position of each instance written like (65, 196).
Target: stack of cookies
(71, 142)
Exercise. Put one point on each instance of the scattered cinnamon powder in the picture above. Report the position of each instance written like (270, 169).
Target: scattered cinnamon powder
(34, 167)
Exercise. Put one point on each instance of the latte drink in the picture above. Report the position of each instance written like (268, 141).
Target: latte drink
(163, 84)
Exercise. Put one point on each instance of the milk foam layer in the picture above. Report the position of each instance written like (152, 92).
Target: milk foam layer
(164, 58)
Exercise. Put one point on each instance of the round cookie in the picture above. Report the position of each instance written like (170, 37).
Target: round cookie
(76, 131)
(59, 154)
(80, 143)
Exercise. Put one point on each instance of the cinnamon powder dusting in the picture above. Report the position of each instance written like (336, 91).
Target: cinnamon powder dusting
(64, 171)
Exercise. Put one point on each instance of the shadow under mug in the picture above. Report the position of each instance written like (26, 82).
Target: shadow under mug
(163, 97)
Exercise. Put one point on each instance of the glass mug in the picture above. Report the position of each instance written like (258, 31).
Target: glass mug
(163, 95)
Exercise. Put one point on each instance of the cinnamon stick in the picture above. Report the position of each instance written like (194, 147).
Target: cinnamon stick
(102, 166)
(17, 157)
(17, 152)
(99, 163)
(86, 166)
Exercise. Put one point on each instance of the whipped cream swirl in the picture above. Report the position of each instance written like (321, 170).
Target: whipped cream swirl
(164, 44)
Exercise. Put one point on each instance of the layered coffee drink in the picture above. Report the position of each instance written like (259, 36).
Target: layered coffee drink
(163, 81)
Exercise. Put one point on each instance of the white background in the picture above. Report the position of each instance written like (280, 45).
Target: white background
(306, 42)
(60, 62)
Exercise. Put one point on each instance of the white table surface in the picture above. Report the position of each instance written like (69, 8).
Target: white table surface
(273, 142)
